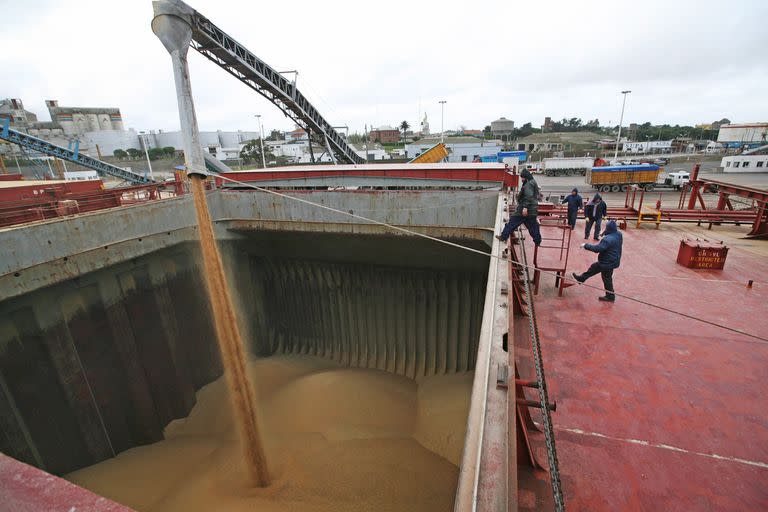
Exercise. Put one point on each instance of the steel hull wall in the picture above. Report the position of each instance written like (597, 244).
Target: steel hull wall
(101, 363)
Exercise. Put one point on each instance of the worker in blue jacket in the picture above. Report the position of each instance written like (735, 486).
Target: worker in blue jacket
(608, 259)
(594, 213)
(575, 203)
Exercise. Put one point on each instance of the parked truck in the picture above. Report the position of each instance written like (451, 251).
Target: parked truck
(577, 166)
(617, 178)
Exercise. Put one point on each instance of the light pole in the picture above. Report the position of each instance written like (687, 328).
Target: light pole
(621, 120)
(145, 140)
(261, 139)
(442, 119)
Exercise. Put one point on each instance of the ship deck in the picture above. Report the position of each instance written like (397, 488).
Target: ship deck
(656, 411)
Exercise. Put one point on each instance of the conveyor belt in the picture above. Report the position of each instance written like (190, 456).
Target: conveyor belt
(235, 59)
(43, 146)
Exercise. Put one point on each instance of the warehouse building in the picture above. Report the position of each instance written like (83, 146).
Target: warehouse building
(461, 149)
(743, 135)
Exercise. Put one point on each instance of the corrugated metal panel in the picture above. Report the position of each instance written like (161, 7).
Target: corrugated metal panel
(410, 322)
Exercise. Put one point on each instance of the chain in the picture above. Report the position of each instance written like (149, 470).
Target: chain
(549, 432)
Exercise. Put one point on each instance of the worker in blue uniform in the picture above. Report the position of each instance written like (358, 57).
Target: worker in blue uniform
(575, 203)
(527, 209)
(594, 213)
(608, 259)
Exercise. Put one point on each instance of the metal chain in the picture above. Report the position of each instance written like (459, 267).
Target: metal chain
(549, 432)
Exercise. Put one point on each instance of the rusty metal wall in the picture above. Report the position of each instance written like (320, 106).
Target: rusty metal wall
(101, 363)
(104, 339)
(42, 254)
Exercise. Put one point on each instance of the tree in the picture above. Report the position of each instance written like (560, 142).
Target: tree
(119, 153)
(169, 151)
(155, 153)
(525, 130)
(275, 135)
(487, 131)
(134, 153)
(404, 127)
(251, 152)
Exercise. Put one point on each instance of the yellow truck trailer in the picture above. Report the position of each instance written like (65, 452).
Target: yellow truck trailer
(616, 178)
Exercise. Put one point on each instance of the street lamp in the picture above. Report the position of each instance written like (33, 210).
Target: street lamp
(261, 140)
(621, 120)
(442, 118)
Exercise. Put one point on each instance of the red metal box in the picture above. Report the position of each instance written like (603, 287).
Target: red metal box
(701, 253)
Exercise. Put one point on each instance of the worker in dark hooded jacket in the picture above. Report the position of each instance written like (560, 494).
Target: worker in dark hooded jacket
(608, 259)
(575, 203)
(594, 213)
(527, 210)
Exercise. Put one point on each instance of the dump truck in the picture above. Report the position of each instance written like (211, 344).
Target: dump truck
(433, 155)
(567, 166)
(616, 178)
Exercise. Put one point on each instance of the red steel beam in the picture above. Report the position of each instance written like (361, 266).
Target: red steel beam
(739, 190)
(488, 173)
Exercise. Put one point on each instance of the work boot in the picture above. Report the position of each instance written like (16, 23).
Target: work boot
(605, 298)
(498, 237)
(577, 277)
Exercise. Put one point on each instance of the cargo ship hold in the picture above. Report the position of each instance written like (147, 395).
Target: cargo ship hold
(354, 336)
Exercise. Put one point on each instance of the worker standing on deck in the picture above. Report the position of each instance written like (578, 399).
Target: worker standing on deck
(527, 210)
(608, 259)
(594, 213)
(575, 203)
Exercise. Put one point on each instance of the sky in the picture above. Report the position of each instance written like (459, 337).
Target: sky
(379, 63)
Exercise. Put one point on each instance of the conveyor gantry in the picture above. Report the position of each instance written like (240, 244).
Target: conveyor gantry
(234, 58)
(29, 142)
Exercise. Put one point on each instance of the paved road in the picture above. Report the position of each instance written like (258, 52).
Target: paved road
(562, 185)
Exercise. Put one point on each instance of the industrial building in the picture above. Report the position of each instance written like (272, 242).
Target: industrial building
(76, 121)
(461, 149)
(66, 122)
(13, 109)
(743, 135)
(753, 160)
(648, 146)
(502, 126)
(103, 127)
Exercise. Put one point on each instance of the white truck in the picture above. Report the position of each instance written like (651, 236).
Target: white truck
(675, 180)
(576, 166)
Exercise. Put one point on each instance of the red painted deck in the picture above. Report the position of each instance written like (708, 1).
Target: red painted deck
(27, 489)
(656, 411)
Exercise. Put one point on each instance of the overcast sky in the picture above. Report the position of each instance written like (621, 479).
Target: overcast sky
(378, 63)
